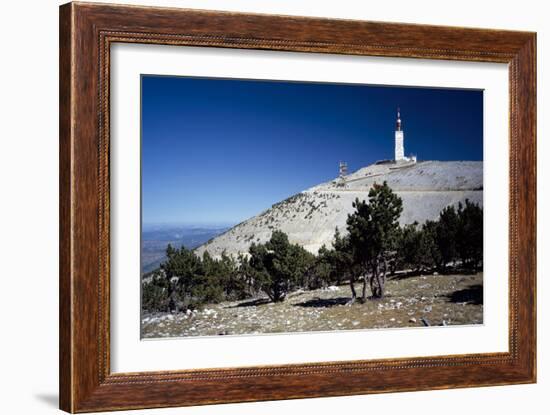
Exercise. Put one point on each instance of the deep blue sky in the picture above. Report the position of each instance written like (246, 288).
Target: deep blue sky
(218, 151)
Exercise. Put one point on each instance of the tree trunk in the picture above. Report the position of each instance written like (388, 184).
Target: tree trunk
(375, 280)
(379, 288)
(383, 278)
(171, 306)
(279, 294)
(269, 293)
(364, 292)
(353, 293)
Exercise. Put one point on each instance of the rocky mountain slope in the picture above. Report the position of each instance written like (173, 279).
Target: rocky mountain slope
(310, 217)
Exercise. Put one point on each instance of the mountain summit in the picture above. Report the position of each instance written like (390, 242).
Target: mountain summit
(309, 218)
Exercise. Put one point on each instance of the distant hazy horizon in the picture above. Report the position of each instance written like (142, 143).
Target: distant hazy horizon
(191, 225)
(216, 152)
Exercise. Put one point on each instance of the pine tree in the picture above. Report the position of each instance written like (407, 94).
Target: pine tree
(415, 247)
(323, 270)
(182, 270)
(431, 247)
(373, 230)
(343, 261)
(470, 234)
(279, 266)
(446, 236)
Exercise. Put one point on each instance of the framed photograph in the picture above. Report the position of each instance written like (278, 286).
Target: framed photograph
(258, 207)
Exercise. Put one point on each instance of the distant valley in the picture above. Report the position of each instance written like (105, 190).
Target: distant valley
(155, 238)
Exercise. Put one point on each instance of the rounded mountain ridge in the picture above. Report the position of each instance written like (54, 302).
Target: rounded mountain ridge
(310, 217)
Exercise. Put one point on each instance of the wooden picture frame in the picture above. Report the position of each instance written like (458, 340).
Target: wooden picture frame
(86, 33)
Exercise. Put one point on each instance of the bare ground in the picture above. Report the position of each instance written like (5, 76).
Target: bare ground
(436, 300)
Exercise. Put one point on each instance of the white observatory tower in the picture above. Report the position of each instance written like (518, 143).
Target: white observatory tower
(399, 147)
